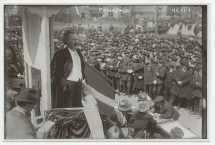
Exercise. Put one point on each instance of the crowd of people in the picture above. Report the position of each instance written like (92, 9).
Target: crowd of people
(14, 63)
(138, 63)
(135, 61)
(141, 121)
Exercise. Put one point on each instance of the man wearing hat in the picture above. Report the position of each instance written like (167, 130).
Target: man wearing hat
(148, 76)
(184, 84)
(138, 77)
(175, 88)
(118, 75)
(159, 77)
(130, 79)
(18, 124)
(197, 93)
(164, 110)
(168, 81)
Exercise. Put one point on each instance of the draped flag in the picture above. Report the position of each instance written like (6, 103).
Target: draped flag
(99, 82)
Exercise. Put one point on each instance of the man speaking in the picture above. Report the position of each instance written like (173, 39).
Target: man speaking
(67, 72)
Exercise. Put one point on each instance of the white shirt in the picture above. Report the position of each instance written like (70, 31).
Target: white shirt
(76, 74)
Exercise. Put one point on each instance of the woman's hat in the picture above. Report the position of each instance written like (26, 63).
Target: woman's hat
(124, 105)
(27, 95)
(143, 107)
(158, 99)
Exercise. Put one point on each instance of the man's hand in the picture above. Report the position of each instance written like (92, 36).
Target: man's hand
(179, 83)
(155, 82)
(140, 77)
(41, 133)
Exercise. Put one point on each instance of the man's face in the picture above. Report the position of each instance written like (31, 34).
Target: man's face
(73, 40)
(30, 107)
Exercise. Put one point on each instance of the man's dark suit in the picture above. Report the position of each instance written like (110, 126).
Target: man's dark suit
(65, 93)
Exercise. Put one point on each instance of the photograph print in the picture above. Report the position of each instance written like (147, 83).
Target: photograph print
(111, 72)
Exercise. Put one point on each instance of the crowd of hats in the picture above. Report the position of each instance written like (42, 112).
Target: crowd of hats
(129, 44)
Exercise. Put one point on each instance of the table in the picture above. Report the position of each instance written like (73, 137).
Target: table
(167, 124)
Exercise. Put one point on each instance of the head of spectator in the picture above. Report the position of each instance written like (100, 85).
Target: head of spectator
(27, 99)
(124, 106)
(142, 96)
(158, 101)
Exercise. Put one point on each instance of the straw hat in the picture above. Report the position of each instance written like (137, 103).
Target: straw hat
(143, 107)
(124, 105)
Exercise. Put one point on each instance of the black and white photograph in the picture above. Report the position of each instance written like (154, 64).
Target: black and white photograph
(105, 72)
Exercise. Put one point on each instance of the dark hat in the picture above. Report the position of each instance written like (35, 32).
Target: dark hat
(27, 95)
(177, 133)
(158, 99)
(142, 96)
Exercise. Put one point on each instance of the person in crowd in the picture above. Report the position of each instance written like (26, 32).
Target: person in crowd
(18, 123)
(175, 88)
(184, 85)
(168, 82)
(164, 110)
(138, 78)
(159, 78)
(143, 123)
(197, 93)
(148, 76)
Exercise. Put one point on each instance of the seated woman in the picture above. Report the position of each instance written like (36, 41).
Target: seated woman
(122, 113)
(143, 123)
(116, 124)
(112, 131)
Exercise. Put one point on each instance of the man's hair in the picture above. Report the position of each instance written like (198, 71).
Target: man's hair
(66, 34)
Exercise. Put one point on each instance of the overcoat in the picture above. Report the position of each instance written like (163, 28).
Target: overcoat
(61, 66)
(18, 126)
